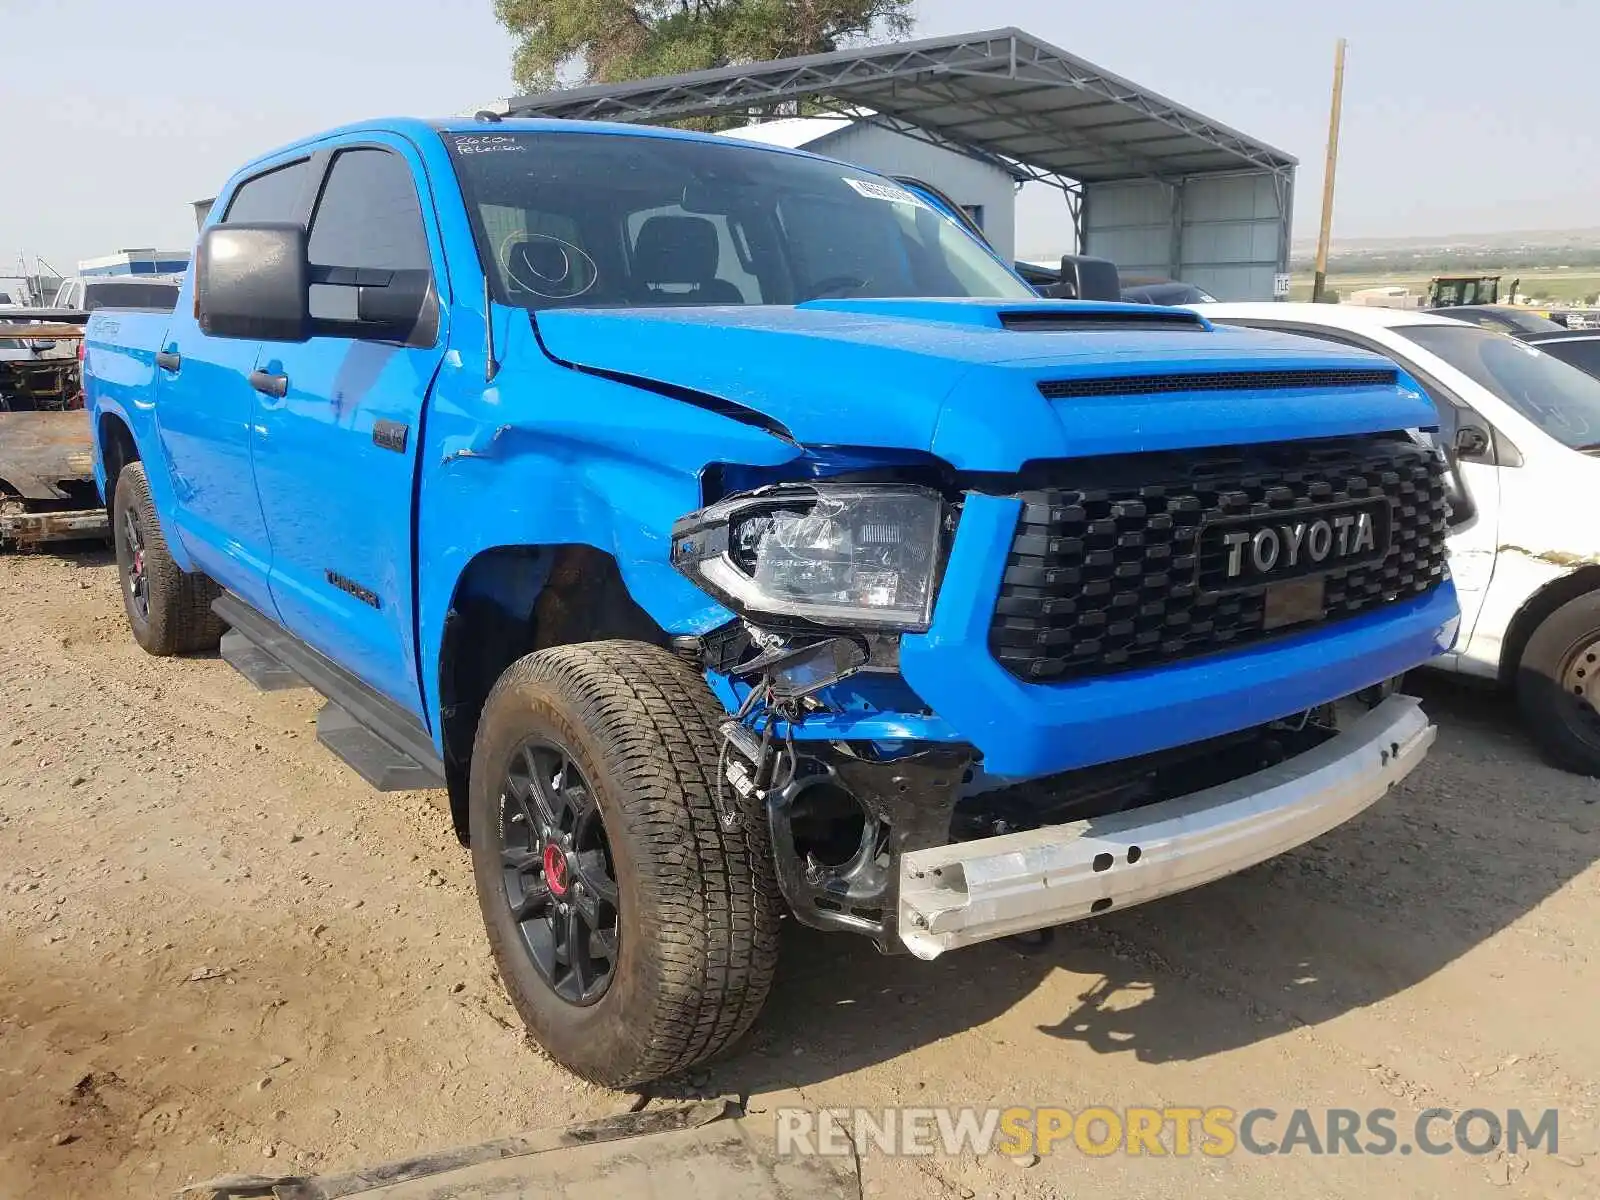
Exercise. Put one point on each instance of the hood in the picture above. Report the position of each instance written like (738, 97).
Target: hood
(962, 379)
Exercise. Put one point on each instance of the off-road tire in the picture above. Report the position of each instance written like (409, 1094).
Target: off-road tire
(1560, 704)
(698, 904)
(178, 619)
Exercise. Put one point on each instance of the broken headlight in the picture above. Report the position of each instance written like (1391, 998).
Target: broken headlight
(850, 556)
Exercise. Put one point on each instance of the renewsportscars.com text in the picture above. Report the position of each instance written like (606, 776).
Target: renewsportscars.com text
(1215, 1132)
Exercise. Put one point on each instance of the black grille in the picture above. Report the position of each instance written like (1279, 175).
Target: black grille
(1218, 381)
(1106, 571)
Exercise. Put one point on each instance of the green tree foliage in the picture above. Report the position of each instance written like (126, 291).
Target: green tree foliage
(567, 42)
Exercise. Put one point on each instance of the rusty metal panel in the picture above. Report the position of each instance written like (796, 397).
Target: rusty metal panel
(40, 329)
(31, 528)
(41, 450)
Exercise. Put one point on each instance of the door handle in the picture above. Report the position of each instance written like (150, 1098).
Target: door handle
(168, 360)
(269, 384)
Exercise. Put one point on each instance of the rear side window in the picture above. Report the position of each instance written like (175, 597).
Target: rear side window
(368, 216)
(130, 295)
(1583, 353)
(273, 196)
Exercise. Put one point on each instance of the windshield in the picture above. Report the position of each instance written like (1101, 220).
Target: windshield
(612, 220)
(130, 295)
(1561, 400)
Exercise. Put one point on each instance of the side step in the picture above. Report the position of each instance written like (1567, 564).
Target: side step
(369, 756)
(256, 665)
(382, 742)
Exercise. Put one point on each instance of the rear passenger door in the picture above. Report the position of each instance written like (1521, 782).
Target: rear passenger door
(336, 448)
(206, 411)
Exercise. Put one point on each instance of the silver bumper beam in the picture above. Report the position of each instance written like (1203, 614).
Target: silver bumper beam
(956, 895)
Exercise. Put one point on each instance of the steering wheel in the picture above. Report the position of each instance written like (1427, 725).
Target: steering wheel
(835, 283)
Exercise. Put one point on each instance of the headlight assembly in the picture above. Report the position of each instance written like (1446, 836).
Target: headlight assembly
(853, 556)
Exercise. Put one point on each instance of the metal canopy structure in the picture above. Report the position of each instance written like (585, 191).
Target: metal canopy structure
(1042, 113)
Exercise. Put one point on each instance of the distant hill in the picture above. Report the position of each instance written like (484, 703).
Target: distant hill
(1507, 240)
(1468, 253)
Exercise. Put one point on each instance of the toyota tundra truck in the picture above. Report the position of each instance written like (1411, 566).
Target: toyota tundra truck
(733, 536)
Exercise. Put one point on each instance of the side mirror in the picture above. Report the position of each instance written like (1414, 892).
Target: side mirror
(252, 281)
(1473, 444)
(1089, 278)
(40, 345)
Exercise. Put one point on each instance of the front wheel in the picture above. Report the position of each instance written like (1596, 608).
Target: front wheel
(635, 934)
(169, 610)
(1558, 685)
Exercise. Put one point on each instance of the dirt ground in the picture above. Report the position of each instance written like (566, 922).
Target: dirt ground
(220, 951)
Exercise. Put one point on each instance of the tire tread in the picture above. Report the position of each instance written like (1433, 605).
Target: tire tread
(712, 895)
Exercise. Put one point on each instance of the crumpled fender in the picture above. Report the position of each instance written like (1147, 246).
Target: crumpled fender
(546, 455)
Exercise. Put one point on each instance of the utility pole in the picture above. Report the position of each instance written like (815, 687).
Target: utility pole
(1319, 283)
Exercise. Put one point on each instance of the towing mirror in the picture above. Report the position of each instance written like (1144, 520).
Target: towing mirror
(252, 281)
(1084, 277)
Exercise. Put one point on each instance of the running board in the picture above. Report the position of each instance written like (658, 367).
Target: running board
(256, 665)
(369, 756)
(382, 742)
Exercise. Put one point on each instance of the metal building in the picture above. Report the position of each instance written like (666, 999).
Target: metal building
(1155, 187)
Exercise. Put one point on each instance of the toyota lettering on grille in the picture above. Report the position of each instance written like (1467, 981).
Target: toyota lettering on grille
(1264, 549)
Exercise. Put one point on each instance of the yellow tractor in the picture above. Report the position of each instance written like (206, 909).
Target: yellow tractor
(1451, 291)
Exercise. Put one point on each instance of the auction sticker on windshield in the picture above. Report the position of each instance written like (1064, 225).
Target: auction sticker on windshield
(872, 189)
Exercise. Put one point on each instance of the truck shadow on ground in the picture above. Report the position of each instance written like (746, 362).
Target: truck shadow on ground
(1479, 837)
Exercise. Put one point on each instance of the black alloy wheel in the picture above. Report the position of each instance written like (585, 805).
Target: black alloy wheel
(557, 872)
(134, 577)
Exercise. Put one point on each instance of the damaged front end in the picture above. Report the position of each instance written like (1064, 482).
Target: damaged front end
(889, 821)
(825, 735)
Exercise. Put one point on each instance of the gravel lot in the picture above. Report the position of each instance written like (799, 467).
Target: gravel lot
(219, 951)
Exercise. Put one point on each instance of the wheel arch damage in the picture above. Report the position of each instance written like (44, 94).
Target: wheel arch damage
(1574, 575)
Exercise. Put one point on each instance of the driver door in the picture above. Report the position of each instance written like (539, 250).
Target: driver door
(338, 424)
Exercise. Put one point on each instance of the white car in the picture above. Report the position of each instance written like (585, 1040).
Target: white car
(1522, 431)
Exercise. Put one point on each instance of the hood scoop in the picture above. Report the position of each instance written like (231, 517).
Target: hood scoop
(1076, 320)
(1219, 381)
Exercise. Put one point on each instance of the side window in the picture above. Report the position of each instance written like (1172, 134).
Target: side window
(1583, 353)
(272, 196)
(369, 216)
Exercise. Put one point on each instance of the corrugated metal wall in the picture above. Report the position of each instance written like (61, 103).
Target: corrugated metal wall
(965, 180)
(1228, 234)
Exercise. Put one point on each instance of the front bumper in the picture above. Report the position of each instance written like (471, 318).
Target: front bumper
(955, 895)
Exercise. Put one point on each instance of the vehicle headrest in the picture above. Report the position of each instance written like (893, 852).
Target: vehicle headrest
(676, 250)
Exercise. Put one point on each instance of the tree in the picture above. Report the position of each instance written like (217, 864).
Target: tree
(568, 42)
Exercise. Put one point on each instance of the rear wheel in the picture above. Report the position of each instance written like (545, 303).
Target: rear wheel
(635, 934)
(1558, 685)
(169, 611)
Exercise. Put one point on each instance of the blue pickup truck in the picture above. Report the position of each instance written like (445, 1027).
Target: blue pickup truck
(734, 536)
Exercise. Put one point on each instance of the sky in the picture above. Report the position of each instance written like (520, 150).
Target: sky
(1460, 115)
